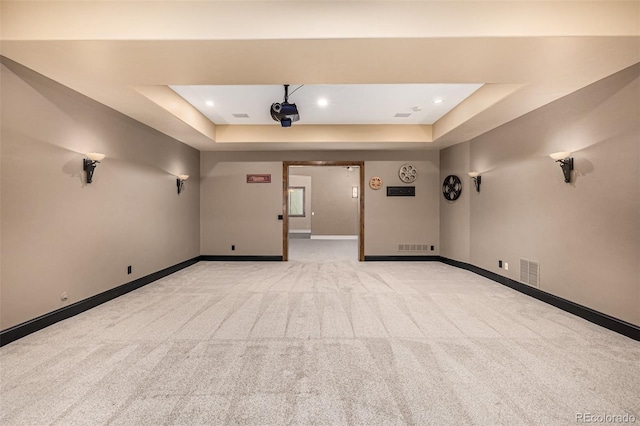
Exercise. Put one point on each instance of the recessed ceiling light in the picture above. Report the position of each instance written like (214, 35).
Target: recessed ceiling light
(323, 102)
(209, 103)
(438, 101)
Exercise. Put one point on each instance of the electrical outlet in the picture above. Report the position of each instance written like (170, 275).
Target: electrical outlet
(129, 269)
(506, 266)
(433, 248)
(233, 247)
(499, 263)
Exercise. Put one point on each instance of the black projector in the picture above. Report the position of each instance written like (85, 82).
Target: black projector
(285, 113)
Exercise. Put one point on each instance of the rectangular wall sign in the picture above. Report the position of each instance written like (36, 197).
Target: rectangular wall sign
(401, 191)
(259, 178)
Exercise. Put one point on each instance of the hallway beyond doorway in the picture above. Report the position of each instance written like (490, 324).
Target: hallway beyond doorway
(306, 249)
(358, 190)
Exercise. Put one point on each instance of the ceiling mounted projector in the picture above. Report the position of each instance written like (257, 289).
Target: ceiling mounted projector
(285, 112)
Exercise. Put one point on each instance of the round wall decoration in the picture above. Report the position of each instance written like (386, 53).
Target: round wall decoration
(375, 182)
(407, 173)
(451, 187)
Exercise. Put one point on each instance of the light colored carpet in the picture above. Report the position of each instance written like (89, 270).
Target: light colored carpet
(332, 342)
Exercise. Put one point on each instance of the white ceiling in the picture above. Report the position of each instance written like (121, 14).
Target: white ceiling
(361, 55)
(346, 103)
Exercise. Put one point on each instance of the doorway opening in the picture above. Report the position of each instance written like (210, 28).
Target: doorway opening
(295, 199)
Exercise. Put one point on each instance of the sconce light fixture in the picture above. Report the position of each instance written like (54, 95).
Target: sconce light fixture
(89, 164)
(477, 179)
(566, 163)
(180, 181)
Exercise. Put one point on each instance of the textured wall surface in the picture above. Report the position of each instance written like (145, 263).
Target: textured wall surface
(391, 221)
(231, 214)
(60, 234)
(455, 215)
(302, 223)
(335, 210)
(234, 212)
(585, 235)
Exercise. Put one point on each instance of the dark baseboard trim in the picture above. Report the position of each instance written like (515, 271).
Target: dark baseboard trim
(21, 330)
(402, 258)
(614, 324)
(225, 258)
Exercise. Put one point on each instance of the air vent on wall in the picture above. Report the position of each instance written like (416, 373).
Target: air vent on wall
(530, 272)
(402, 114)
(241, 115)
(413, 247)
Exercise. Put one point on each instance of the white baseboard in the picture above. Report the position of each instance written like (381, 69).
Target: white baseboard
(334, 237)
(299, 231)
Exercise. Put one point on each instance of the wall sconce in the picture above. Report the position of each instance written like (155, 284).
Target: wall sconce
(566, 163)
(477, 179)
(89, 164)
(180, 181)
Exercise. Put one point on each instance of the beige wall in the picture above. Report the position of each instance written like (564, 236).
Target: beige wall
(335, 211)
(62, 235)
(302, 223)
(234, 212)
(59, 234)
(391, 221)
(586, 234)
(455, 215)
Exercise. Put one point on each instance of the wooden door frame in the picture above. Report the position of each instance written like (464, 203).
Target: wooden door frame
(285, 199)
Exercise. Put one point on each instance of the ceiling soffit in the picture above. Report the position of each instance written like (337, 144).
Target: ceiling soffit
(127, 63)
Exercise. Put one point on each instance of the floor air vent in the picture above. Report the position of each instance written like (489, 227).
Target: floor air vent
(530, 272)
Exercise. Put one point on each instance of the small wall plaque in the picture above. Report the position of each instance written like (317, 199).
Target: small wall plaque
(259, 178)
(401, 191)
(375, 182)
